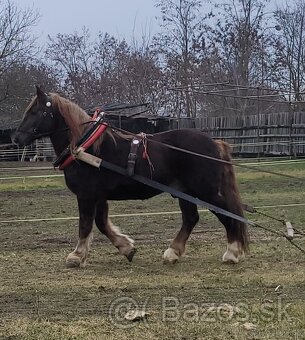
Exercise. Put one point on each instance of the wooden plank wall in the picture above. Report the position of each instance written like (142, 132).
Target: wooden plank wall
(263, 134)
(256, 135)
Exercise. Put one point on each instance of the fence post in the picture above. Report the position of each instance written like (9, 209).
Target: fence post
(291, 118)
(258, 122)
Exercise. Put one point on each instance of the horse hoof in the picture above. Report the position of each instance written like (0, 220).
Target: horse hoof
(73, 261)
(170, 256)
(232, 253)
(131, 254)
(229, 257)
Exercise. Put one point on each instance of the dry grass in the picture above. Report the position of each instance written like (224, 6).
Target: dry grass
(198, 298)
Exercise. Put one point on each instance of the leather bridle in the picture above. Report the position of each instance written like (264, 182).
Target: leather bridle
(46, 114)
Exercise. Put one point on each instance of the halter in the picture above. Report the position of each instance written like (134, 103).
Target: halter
(47, 113)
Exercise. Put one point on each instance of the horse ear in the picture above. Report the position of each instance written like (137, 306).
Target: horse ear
(40, 94)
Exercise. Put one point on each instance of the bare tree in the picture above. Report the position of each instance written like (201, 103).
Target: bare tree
(127, 73)
(182, 44)
(242, 47)
(72, 57)
(236, 38)
(105, 70)
(17, 43)
(20, 79)
(291, 51)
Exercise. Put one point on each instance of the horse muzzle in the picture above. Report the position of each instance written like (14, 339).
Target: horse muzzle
(21, 139)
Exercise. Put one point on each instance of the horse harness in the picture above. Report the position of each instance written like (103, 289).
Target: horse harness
(132, 157)
(138, 139)
(98, 128)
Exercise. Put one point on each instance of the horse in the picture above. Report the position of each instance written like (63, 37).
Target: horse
(64, 122)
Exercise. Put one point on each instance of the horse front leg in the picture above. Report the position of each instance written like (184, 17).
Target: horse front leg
(190, 218)
(86, 207)
(119, 240)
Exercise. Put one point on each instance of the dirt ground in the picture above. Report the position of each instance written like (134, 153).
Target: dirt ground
(262, 297)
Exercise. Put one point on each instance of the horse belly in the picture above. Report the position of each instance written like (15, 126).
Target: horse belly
(132, 192)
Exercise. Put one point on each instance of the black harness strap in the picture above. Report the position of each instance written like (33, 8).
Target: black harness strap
(94, 124)
(132, 157)
(165, 188)
(100, 163)
(197, 201)
(213, 158)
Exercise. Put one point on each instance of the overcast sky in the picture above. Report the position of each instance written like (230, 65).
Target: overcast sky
(120, 18)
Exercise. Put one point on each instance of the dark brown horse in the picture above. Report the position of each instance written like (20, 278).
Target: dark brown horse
(64, 122)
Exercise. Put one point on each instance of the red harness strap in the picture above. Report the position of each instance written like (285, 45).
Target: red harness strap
(85, 145)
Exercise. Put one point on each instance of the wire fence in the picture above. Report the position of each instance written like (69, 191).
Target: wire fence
(40, 150)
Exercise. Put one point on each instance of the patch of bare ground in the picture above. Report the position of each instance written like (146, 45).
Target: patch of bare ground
(262, 297)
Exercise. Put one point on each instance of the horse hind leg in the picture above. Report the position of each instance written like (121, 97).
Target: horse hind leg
(190, 218)
(121, 241)
(86, 216)
(237, 232)
(228, 198)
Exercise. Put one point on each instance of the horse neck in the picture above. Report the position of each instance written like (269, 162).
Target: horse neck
(60, 139)
(68, 128)
(70, 123)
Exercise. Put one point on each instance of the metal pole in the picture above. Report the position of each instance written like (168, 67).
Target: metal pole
(291, 116)
(258, 121)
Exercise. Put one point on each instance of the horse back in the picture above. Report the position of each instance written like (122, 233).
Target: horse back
(173, 156)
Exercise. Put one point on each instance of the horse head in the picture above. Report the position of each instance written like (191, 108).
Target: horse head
(38, 120)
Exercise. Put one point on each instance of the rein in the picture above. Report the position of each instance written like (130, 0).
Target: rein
(100, 163)
(256, 169)
(99, 126)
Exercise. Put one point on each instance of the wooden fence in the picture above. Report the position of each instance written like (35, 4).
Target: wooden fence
(263, 134)
(256, 135)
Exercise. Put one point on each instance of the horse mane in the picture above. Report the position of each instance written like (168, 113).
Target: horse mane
(75, 117)
(77, 120)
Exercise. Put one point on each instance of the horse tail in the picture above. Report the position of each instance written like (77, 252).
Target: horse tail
(230, 192)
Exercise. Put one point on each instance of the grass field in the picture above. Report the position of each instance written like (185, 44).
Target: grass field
(262, 297)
